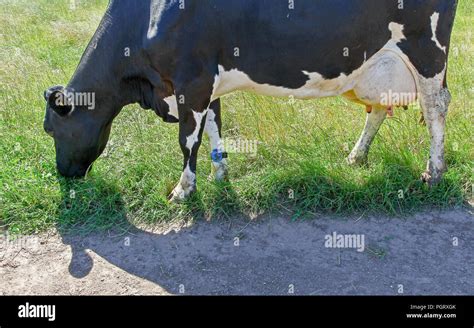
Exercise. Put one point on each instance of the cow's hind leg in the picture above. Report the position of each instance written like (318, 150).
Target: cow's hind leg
(374, 121)
(435, 102)
(385, 76)
(213, 130)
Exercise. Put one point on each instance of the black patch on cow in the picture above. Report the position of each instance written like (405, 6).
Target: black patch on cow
(426, 56)
(277, 44)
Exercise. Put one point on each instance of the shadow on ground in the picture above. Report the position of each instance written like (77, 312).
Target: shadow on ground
(428, 253)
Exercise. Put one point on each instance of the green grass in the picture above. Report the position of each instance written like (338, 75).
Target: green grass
(302, 145)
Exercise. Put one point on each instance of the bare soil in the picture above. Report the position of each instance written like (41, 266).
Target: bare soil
(430, 253)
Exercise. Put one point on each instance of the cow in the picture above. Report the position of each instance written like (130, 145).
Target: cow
(179, 57)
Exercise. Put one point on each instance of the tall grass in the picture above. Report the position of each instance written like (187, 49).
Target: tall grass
(299, 167)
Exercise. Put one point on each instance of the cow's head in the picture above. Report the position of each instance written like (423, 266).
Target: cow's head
(79, 117)
(80, 131)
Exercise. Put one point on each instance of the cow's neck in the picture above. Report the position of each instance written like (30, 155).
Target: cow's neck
(109, 54)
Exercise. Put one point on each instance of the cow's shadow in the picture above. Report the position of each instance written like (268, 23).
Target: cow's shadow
(164, 258)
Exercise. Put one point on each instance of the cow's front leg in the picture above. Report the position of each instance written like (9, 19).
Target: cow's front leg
(435, 108)
(375, 118)
(213, 130)
(191, 127)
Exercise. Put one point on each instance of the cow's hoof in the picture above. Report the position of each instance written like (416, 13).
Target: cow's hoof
(180, 194)
(357, 160)
(219, 172)
(430, 179)
(218, 177)
(221, 175)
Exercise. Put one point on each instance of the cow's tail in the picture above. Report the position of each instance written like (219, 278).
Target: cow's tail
(449, 9)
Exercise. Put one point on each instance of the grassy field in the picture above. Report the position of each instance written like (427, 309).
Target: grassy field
(301, 152)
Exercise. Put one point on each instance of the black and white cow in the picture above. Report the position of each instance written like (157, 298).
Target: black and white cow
(178, 57)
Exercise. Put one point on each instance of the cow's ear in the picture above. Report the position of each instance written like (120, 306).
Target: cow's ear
(58, 102)
(49, 91)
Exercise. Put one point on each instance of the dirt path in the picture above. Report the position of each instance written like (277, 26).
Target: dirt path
(431, 253)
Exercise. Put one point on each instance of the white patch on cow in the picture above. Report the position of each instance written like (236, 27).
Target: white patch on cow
(157, 8)
(212, 130)
(173, 106)
(386, 81)
(397, 31)
(434, 28)
(186, 185)
(220, 90)
(315, 87)
(193, 138)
